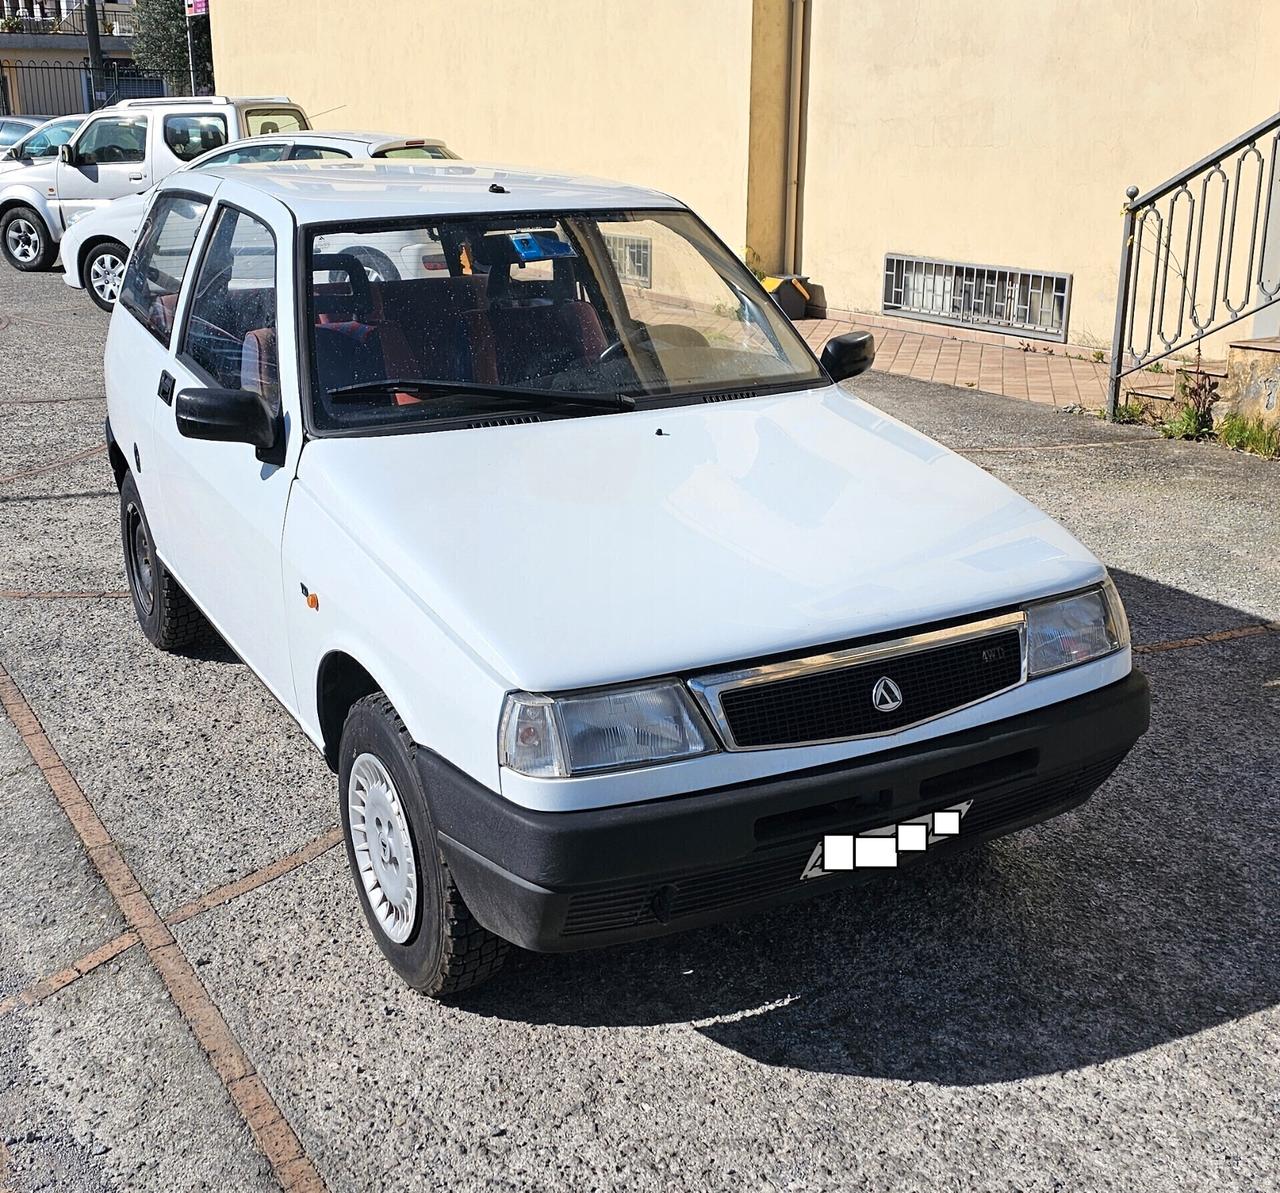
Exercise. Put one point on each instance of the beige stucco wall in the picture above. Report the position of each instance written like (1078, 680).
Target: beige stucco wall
(649, 91)
(1005, 132)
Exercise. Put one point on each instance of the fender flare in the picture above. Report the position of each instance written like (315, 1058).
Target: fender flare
(22, 195)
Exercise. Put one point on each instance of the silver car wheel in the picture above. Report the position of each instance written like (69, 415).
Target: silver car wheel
(383, 847)
(23, 240)
(106, 275)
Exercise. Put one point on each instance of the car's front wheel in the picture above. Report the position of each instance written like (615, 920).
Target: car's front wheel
(409, 898)
(103, 272)
(25, 240)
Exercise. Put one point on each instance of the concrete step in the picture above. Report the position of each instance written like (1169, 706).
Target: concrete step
(1252, 384)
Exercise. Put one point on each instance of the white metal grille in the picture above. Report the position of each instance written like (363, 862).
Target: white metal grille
(1028, 301)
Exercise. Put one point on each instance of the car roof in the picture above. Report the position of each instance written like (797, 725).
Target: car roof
(322, 191)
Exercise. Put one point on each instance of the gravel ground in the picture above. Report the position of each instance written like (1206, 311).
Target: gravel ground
(1089, 1004)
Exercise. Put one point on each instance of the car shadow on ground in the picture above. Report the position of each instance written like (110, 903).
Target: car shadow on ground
(1145, 916)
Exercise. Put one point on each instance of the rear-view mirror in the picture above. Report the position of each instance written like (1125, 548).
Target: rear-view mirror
(231, 416)
(848, 355)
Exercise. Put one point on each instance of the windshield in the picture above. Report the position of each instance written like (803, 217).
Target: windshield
(631, 307)
(45, 140)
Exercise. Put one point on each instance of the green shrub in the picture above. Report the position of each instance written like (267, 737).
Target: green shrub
(1194, 419)
(1251, 435)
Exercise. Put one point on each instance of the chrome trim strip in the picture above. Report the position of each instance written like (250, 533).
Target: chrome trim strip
(708, 689)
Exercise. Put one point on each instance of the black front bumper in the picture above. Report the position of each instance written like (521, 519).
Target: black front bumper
(554, 881)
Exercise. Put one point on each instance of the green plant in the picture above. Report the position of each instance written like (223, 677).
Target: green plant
(11, 23)
(1194, 419)
(1131, 411)
(1250, 435)
(1158, 367)
(1099, 356)
(753, 262)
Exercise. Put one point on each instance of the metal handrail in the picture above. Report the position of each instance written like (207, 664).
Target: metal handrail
(1159, 244)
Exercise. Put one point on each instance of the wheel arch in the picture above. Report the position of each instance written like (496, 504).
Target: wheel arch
(82, 256)
(119, 465)
(341, 680)
(25, 196)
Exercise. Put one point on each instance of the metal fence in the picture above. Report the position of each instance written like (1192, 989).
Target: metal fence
(1194, 253)
(111, 23)
(30, 88)
(1032, 302)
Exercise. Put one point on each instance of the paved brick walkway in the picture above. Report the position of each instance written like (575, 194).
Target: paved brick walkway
(1052, 374)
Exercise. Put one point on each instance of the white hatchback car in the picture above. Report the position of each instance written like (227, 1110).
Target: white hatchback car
(96, 246)
(613, 611)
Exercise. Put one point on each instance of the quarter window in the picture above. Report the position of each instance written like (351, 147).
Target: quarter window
(159, 262)
(314, 153)
(113, 141)
(190, 136)
(231, 330)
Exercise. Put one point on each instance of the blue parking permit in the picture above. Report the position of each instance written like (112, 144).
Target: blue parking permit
(536, 246)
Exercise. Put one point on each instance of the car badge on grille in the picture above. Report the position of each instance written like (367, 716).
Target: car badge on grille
(886, 695)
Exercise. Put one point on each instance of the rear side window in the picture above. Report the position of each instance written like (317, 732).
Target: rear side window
(114, 140)
(159, 262)
(267, 151)
(231, 330)
(190, 136)
(261, 122)
(314, 153)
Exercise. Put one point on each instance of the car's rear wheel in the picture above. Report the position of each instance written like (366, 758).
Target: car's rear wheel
(25, 240)
(168, 617)
(406, 890)
(103, 272)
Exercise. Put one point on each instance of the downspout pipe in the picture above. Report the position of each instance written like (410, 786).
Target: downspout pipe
(795, 116)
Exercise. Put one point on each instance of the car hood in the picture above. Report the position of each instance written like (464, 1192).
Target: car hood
(593, 550)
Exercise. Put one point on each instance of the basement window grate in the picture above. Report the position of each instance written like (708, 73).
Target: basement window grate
(1030, 302)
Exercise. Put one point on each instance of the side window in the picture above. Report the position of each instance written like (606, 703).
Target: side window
(45, 143)
(313, 153)
(113, 140)
(272, 151)
(10, 131)
(159, 262)
(231, 330)
(262, 122)
(190, 136)
(433, 152)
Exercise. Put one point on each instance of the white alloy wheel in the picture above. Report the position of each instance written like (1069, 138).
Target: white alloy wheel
(23, 239)
(105, 275)
(383, 847)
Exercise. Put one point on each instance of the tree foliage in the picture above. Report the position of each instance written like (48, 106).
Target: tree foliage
(160, 43)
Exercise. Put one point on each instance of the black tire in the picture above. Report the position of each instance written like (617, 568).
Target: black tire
(102, 273)
(446, 951)
(25, 240)
(168, 617)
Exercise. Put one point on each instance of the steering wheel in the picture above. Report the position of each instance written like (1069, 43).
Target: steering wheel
(677, 335)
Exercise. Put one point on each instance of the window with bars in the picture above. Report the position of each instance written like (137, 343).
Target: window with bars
(632, 257)
(1027, 301)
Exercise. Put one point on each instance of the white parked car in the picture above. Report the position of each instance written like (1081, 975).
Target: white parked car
(96, 246)
(614, 613)
(40, 143)
(122, 150)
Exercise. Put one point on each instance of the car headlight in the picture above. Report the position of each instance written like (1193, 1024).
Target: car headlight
(554, 737)
(1075, 629)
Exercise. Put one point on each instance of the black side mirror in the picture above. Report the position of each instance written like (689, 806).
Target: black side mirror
(232, 416)
(849, 354)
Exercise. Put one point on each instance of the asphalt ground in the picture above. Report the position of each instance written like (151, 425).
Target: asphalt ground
(189, 998)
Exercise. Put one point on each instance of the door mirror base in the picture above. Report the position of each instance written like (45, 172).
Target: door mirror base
(232, 416)
(848, 355)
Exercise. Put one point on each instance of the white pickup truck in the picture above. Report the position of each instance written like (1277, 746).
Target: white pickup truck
(120, 150)
(613, 611)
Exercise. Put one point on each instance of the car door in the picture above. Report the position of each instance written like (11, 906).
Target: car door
(108, 158)
(223, 507)
(139, 376)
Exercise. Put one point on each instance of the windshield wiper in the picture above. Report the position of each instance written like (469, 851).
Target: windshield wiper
(478, 389)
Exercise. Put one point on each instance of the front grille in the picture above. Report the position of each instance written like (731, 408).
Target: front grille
(832, 705)
(776, 871)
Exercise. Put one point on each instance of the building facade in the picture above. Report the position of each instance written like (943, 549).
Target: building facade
(969, 155)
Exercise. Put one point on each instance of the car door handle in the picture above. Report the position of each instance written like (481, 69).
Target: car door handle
(165, 392)
(135, 177)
